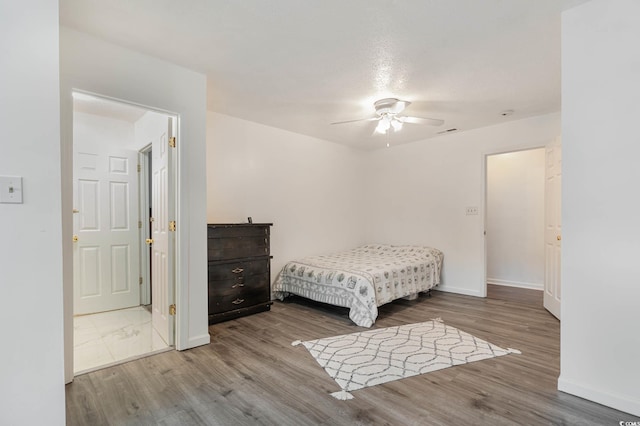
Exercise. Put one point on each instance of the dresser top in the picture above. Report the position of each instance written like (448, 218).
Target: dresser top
(228, 225)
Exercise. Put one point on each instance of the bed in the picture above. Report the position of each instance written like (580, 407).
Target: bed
(363, 278)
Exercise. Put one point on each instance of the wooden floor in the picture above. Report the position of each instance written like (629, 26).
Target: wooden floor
(250, 374)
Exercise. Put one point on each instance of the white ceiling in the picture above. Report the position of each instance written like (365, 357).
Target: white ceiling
(300, 65)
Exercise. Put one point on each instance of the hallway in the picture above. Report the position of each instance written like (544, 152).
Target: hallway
(110, 338)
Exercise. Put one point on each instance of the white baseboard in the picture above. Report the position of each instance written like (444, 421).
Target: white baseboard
(619, 402)
(519, 284)
(458, 290)
(196, 341)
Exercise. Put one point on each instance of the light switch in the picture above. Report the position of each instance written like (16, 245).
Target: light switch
(11, 189)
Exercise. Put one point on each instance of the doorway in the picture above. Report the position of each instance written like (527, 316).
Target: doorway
(116, 316)
(515, 200)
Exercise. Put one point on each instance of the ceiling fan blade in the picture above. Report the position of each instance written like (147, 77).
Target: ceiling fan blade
(355, 121)
(421, 120)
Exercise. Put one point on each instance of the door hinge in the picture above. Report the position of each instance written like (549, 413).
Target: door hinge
(172, 309)
(140, 280)
(139, 168)
(172, 141)
(172, 226)
(140, 224)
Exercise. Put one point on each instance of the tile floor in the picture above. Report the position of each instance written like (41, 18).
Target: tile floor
(108, 338)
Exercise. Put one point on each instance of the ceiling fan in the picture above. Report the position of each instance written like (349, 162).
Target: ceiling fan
(388, 116)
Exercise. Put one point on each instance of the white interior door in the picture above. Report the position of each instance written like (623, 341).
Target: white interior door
(106, 233)
(163, 246)
(553, 228)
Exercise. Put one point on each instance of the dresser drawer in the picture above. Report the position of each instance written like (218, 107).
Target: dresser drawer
(237, 231)
(234, 270)
(237, 241)
(226, 295)
(234, 248)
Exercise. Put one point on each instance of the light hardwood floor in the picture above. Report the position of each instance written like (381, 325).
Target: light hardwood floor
(250, 374)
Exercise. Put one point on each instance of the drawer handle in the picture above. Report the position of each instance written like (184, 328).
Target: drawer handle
(237, 285)
(237, 270)
(237, 301)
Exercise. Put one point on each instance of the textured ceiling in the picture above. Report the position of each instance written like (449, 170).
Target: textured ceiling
(300, 65)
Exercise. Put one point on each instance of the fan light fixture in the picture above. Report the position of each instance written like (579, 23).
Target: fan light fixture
(388, 109)
(388, 115)
(388, 122)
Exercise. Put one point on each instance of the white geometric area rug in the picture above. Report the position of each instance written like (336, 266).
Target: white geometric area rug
(371, 357)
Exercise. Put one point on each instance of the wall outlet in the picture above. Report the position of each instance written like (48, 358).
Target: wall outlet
(472, 211)
(10, 189)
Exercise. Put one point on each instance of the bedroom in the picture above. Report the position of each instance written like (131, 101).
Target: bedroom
(616, 372)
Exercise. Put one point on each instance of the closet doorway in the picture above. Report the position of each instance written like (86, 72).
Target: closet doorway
(515, 222)
(123, 249)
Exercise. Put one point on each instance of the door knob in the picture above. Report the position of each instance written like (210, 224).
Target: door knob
(75, 238)
(149, 241)
(558, 237)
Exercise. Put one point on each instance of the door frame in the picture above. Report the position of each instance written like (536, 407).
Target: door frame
(483, 198)
(144, 179)
(66, 161)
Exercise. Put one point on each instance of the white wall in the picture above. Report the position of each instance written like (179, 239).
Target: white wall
(92, 65)
(515, 218)
(31, 359)
(324, 197)
(600, 335)
(308, 188)
(417, 193)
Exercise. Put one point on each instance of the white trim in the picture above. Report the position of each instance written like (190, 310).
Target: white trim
(626, 403)
(181, 273)
(519, 284)
(460, 290)
(204, 339)
(174, 208)
(66, 165)
(143, 213)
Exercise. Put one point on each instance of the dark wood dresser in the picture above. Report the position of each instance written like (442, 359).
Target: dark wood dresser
(239, 270)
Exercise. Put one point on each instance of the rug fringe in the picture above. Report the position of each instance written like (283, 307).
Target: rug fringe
(514, 351)
(296, 343)
(343, 395)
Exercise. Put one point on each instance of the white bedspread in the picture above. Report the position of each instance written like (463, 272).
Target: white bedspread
(363, 278)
